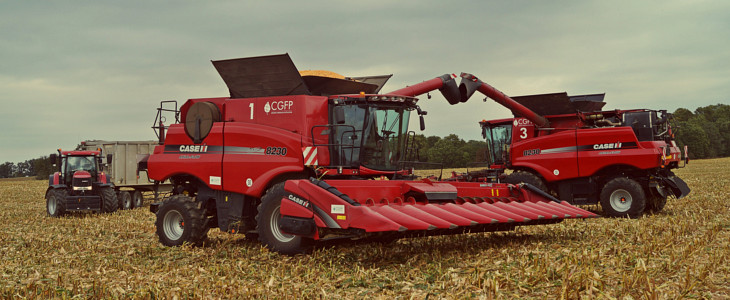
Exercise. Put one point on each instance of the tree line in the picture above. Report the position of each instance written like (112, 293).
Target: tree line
(40, 168)
(706, 131)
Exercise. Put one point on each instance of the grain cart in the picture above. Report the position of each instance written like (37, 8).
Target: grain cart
(79, 184)
(128, 184)
(567, 146)
(290, 159)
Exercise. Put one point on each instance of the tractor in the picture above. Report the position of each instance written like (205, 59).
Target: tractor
(79, 184)
(293, 159)
(567, 146)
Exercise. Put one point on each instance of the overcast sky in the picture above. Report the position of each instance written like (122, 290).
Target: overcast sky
(78, 70)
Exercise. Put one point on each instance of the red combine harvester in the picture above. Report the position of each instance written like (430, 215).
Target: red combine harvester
(247, 164)
(79, 184)
(565, 145)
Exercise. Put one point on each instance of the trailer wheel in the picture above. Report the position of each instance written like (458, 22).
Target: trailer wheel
(137, 199)
(267, 224)
(526, 177)
(109, 200)
(56, 202)
(125, 200)
(181, 220)
(623, 197)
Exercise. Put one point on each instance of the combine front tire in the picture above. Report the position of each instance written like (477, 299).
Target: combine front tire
(623, 197)
(267, 225)
(179, 220)
(526, 177)
(109, 200)
(56, 202)
(125, 200)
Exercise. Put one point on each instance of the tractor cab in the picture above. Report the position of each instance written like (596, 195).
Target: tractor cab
(370, 132)
(79, 184)
(498, 134)
(78, 169)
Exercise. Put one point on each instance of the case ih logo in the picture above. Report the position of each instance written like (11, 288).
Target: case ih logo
(607, 146)
(194, 148)
(299, 201)
(278, 107)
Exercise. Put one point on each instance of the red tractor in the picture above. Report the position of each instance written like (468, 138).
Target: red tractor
(79, 184)
(567, 146)
(291, 160)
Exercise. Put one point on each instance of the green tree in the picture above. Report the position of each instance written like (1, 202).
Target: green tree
(7, 170)
(692, 134)
(42, 167)
(448, 151)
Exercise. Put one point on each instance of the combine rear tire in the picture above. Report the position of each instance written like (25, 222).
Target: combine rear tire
(267, 225)
(109, 200)
(623, 197)
(137, 199)
(526, 177)
(56, 202)
(125, 200)
(181, 220)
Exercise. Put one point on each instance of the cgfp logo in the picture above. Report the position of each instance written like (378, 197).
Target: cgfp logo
(521, 122)
(279, 107)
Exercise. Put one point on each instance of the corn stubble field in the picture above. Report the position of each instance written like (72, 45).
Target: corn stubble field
(681, 252)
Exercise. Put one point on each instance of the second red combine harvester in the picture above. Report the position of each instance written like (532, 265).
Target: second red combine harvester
(622, 159)
(247, 164)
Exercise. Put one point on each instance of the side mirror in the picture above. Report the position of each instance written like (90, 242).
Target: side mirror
(421, 113)
(339, 115)
(53, 158)
(108, 159)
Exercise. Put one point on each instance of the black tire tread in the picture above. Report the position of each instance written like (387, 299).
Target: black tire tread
(638, 201)
(526, 177)
(196, 229)
(60, 197)
(268, 201)
(109, 200)
(125, 197)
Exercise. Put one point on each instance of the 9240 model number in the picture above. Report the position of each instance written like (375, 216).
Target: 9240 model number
(281, 151)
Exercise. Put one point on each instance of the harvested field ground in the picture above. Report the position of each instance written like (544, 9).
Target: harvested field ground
(682, 252)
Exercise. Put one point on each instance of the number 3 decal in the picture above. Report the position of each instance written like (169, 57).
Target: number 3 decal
(523, 134)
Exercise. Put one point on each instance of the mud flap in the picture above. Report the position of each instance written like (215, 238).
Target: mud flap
(678, 187)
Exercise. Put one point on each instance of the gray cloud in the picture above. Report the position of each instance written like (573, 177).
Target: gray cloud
(97, 70)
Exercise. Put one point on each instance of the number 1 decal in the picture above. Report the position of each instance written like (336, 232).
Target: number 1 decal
(251, 106)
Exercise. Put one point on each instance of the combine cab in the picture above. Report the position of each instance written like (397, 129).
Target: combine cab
(79, 184)
(247, 164)
(567, 146)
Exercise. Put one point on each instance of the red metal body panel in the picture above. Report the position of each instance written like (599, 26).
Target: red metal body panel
(557, 158)
(177, 157)
(386, 206)
(56, 178)
(247, 168)
(630, 153)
